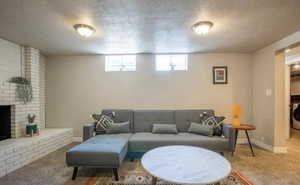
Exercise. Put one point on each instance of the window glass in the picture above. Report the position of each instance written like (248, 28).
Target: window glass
(171, 62)
(120, 63)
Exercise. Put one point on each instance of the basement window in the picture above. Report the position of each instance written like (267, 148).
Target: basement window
(171, 62)
(120, 63)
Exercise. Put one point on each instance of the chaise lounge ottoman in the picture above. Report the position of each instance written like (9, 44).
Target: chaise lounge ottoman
(101, 151)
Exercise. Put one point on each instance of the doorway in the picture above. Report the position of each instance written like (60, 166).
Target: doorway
(292, 59)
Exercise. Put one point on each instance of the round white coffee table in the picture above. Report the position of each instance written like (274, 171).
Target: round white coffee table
(185, 165)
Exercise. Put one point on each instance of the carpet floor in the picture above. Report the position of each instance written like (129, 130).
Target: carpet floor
(265, 169)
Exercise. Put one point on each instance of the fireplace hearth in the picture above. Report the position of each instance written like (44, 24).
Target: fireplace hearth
(5, 122)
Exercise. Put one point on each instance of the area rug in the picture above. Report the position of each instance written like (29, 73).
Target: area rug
(132, 173)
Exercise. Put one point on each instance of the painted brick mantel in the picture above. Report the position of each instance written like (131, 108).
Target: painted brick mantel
(33, 70)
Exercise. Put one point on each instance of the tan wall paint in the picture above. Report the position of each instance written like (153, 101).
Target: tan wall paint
(10, 60)
(264, 108)
(78, 86)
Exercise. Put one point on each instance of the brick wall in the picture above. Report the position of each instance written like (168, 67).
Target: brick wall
(16, 153)
(33, 70)
(42, 91)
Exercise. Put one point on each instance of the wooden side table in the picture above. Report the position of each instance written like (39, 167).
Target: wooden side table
(245, 128)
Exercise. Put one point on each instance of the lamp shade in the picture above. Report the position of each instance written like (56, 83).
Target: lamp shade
(236, 110)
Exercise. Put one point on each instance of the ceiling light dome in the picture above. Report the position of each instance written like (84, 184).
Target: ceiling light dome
(202, 27)
(84, 30)
(287, 50)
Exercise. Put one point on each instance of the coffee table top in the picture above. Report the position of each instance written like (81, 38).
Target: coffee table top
(186, 165)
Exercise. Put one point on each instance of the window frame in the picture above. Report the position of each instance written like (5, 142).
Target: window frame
(121, 67)
(172, 66)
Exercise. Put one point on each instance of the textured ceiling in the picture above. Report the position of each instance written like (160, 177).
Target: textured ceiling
(147, 26)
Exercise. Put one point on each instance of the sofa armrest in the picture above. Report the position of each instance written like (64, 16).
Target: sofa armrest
(88, 131)
(229, 133)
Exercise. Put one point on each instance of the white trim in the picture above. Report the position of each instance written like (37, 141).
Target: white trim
(280, 149)
(77, 139)
(262, 145)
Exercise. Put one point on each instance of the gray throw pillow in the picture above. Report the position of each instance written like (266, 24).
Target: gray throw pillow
(164, 129)
(117, 128)
(202, 129)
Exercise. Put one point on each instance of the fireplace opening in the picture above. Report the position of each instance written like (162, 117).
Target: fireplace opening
(5, 122)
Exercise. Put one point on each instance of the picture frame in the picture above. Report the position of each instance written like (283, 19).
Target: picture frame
(220, 74)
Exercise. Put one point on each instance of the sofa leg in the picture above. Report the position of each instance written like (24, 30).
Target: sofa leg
(222, 153)
(115, 170)
(132, 159)
(74, 173)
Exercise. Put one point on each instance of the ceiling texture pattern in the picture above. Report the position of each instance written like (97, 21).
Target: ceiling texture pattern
(147, 26)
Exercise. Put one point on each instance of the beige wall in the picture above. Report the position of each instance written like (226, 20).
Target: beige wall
(78, 86)
(265, 112)
(263, 105)
(10, 60)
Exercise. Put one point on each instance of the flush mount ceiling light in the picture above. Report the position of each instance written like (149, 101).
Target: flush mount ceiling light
(202, 27)
(287, 50)
(84, 29)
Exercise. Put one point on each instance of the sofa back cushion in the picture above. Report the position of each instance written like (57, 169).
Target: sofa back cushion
(183, 118)
(144, 119)
(121, 115)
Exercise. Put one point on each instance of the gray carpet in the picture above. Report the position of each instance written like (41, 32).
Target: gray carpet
(265, 169)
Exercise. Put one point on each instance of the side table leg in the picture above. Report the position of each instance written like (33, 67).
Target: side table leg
(154, 180)
(236, 136)
(249, 143)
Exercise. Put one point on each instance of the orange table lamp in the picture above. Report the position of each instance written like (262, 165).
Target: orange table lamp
(236, 114)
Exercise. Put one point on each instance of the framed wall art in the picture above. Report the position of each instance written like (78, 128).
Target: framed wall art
(220, 75)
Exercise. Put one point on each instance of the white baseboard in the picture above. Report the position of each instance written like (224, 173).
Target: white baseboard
(77, 139)
(263, 145)
(278, 149)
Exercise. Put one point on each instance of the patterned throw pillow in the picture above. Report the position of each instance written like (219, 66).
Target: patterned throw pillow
(211, 120)
(96, 117)
(215, 122)
(104, 123)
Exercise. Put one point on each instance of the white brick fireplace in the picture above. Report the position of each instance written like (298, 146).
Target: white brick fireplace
(19, 151)
(33, 70)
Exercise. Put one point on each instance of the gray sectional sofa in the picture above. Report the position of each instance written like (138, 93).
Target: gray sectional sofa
(109, 150)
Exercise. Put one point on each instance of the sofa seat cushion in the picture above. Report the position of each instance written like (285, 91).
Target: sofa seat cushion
(107, 151)
(144, 141)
